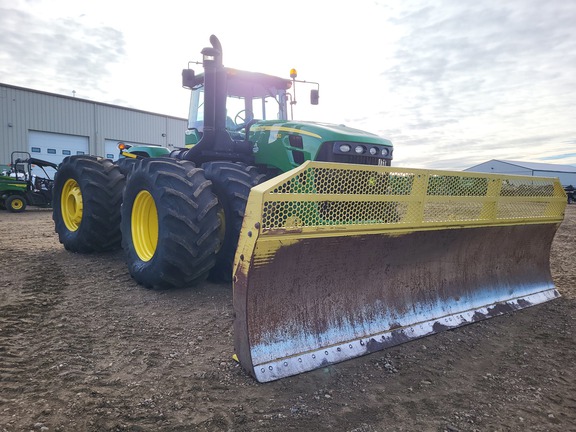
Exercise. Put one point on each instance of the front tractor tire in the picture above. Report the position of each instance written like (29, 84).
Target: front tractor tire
(15, 203)
(87, 196)
(231, 182)
(169, 224)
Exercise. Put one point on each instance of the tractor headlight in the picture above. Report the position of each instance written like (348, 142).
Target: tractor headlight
(385, 152)
(359, 149)
(345, 148)
(373, 151)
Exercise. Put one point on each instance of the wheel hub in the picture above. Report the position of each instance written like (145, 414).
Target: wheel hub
(71, 205)
(144, 225)
(17, 204)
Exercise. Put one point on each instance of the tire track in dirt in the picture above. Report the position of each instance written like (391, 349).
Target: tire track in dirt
(118, 346)
(26, 302)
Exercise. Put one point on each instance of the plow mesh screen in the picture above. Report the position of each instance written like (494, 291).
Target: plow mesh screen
(336, 195)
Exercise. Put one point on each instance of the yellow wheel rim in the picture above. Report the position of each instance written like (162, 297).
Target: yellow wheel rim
(71, 205)
(144, 226)
(17, 204)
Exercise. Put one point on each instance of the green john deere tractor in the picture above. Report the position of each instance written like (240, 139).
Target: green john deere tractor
(182, 210)
(333, 253)
(20, 186)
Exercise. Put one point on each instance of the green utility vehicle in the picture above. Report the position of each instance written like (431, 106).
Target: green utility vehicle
(182, 212)
(20, 187)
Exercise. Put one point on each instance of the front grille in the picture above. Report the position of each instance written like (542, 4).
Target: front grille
(327, 154)
(355, 159)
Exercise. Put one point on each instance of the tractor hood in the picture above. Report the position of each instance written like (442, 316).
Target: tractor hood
(319, 130)
(284, 145)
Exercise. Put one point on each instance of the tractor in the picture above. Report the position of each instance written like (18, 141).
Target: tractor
(182, 211)
(333, 253)
(20, 186)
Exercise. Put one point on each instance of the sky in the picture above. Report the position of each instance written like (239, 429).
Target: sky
(451, 83)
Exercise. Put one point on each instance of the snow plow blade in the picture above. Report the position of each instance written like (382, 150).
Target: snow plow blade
(336, 261)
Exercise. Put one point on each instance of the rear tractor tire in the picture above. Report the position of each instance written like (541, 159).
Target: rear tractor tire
(169, 224)
(15, 203)
(87, 196)
(231, 182)
(126, 165)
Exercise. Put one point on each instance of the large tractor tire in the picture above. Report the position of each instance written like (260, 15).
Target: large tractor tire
(16, 203)
(126, 165)
(87, 197)
(231, 184)
(170, 223)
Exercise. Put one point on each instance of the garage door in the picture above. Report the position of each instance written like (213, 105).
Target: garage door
(54, 147)
(111, 149)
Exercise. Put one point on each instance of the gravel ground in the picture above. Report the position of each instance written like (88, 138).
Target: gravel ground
(83, 347)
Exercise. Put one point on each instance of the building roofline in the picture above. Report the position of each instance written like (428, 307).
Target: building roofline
(89, 101)
(554, 168)
(533, 166)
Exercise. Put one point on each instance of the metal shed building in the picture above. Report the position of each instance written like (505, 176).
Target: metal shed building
(52, 126)
(565, 173)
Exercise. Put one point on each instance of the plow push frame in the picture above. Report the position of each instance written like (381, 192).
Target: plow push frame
(336, 261)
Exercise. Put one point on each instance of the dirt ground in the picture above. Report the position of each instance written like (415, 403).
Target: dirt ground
(84, 348)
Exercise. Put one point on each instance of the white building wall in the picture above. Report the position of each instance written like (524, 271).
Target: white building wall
(500, 167)
(565, 178)
(24, 110)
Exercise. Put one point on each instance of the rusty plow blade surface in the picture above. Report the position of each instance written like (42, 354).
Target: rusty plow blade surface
(338, 261)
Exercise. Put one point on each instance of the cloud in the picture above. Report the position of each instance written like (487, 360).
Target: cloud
(56, 55)
(495, 74)
(451, 83)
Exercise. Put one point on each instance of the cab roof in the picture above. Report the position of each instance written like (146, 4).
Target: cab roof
(255, 84)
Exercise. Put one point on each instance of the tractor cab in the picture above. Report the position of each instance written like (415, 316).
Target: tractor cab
(250, 97)
(241, 116)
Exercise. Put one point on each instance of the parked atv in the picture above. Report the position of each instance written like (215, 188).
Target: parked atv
(20, 187)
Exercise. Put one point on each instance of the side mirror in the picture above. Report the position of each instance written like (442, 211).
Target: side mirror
(314, 96)
(188, 78)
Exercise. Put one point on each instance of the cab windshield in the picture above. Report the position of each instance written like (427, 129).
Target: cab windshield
(240, 109)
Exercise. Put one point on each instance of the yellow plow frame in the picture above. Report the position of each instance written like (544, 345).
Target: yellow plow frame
(336, 261)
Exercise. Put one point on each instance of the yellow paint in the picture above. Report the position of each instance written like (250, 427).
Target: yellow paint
(285, 129)
(321, 199)
(71, 205)
(144, 225)
(17, 204)
(324, 197)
